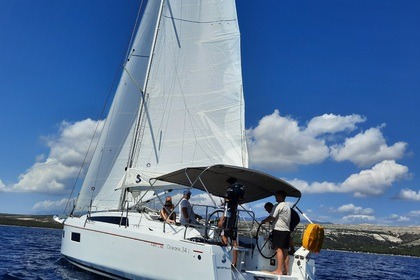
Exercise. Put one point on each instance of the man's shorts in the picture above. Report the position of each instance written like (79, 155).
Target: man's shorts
(229, 226)
(231, 233)
(281, 239)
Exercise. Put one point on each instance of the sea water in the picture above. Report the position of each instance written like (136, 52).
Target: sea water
(34, 253)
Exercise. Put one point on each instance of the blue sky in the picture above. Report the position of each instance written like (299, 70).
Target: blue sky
(331, 89)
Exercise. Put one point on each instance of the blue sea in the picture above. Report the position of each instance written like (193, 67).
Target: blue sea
(34, 253)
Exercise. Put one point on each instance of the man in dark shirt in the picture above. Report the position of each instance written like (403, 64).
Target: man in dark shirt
(234, 194)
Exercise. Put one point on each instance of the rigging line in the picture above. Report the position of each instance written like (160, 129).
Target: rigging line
(152, 134)
(81, 168)
(130, 43)
(199, 22)
(173, 24)
(103, 111)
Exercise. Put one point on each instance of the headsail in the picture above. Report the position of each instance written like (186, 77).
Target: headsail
(190, 101)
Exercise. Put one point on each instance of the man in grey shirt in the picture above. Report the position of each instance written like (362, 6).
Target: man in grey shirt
(280, 216)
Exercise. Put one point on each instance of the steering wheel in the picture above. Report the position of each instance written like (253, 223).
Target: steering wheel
(264, 241)
(214, 217)
(212, 220)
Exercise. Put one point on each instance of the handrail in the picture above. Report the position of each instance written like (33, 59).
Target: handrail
(304, 215)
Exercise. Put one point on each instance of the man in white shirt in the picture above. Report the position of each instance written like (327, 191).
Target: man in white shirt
(187, 215)
(280, 216)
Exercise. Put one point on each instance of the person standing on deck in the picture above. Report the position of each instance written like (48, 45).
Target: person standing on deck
(280, 216)
(234, 195)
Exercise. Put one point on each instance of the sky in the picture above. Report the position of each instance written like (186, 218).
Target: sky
(331, 89)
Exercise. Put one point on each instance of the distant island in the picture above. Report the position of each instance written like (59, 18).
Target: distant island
(44, 221)
(355, 238)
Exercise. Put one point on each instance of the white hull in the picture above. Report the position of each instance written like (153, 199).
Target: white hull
(154, 250)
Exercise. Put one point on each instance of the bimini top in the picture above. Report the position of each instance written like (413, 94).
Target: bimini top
(212, 179)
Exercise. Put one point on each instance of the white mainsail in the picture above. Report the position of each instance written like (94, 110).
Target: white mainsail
(183, 83)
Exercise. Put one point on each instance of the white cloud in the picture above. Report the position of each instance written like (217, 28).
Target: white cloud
(368, 148)
(330, 123)
(407, 194)
(315, 187)
(398, 218)
(376, 180)
(373, 181)
(204, 199)
(48, 176)
(414, 213)
(279, 143)
(74, 140)
(358, 219)
(67, 152)
(2, 186)
(355, 210)
(49, 205)
(259, 206)
(200, 198)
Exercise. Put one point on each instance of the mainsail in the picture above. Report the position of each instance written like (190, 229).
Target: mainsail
(179, 102)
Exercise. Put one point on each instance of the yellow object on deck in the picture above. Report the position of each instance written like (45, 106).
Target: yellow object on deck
(313, 238)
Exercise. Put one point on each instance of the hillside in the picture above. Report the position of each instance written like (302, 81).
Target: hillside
(371, 239)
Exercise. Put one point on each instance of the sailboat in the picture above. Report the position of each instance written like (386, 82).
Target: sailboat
(177, 122)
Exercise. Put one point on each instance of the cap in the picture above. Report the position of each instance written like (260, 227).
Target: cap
(186, 192)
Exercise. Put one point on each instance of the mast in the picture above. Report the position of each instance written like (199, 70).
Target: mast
(142, 105)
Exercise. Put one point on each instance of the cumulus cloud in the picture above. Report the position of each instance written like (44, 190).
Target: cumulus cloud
(376, 180)
(330, 123)
(355, 210)
(259, 206)
(48, 176)
(67, 152)
(204, 199)
(367, 148)
(347, 213)
(398, 218)
(414, 213)
(200, 198)
(358, 219)
(407, 194)
(279, 143)
(315, 187)
(49, 205)
(369, 182)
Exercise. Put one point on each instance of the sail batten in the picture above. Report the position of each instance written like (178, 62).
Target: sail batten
(193, 108)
